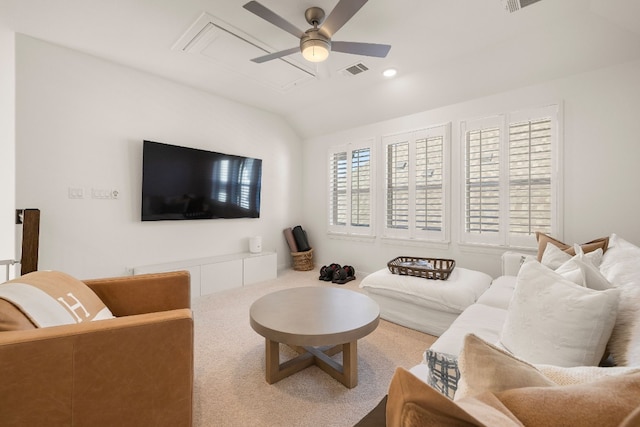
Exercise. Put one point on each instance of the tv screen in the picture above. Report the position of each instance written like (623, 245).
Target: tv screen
(180, 183)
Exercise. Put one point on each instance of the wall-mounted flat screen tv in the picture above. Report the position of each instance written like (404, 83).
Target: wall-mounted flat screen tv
(181, 183)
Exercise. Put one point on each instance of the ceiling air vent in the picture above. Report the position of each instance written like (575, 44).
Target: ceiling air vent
(356, 69)
(516, 5)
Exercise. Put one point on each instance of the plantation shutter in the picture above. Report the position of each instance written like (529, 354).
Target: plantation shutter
(429, 209)
(483, 181)
(338, 189)
(530, 177)
(351, 189)
(534, 182)
(361, 187)
(397, 206)
(415, 184)
(482, 199)
(511, 184)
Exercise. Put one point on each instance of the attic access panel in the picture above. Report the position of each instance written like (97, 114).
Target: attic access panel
(233, 49)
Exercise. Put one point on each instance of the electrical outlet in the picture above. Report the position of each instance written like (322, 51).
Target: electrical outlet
(97, 193)
(76, 193)
(115, 194)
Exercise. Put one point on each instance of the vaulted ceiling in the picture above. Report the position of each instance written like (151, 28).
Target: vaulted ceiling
(445, 51)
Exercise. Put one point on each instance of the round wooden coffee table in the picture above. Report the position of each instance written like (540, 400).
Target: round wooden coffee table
(317, 322)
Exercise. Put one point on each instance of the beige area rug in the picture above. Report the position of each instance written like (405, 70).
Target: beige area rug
(229, 383)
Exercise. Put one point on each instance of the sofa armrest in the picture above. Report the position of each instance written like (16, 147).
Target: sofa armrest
(512, 261)
(127, 371)
(145, 293)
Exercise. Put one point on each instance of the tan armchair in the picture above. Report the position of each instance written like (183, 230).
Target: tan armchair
(134, 370)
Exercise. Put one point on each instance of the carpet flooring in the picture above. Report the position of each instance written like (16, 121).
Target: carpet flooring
(229, 384)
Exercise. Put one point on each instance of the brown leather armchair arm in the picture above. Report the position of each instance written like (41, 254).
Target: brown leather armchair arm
(129, 371)
(146, 293)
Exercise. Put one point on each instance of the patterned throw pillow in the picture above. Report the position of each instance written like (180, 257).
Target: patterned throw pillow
(443, 372)
(48, 298)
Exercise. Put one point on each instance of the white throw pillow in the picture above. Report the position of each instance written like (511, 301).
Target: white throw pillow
(581, 271)
(553, 321)
(553, 257)
(595, 256)
(621, 266)
(621, 263)
(572, 270)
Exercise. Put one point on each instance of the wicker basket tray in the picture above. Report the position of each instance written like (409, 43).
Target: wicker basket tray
(427, 268)
(303, 261)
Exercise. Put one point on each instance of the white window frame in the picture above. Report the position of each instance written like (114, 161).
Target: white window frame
(412, 232)
(348, 229)
(503, 238)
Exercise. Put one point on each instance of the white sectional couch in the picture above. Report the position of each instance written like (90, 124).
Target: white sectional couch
(484, 318)
(493, 312)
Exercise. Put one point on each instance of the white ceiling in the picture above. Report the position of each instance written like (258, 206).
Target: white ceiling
(446, 51)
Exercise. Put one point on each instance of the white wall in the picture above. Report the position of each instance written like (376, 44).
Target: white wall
(7, 146)
(81, 122)
(600, 163)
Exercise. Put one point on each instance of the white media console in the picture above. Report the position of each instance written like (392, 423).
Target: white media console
(213, 274)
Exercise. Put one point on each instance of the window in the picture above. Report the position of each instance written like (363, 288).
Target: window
(415, 176)
(351, 189)
(510, 180)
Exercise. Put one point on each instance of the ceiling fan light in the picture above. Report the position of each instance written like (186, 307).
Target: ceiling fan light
(390, 72)
(315, 50)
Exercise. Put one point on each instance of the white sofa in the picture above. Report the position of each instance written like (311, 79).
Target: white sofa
(487, 317)
(484, 318)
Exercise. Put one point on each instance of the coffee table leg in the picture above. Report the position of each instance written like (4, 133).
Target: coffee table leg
(347, 373)
(350, 364)
(272, 361)
(274, 370)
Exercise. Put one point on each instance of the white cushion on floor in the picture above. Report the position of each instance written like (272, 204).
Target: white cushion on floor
(462, 289)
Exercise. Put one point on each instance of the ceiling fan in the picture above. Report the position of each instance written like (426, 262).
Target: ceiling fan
(316, 43)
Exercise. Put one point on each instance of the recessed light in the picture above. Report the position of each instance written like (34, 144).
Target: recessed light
(390, 72)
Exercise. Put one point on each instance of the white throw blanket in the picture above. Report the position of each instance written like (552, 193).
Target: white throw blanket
(40, 307)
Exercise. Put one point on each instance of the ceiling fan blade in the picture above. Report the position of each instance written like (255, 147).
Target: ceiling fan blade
(276, 55)
(365, 49)
(344, 10)
(270, 16)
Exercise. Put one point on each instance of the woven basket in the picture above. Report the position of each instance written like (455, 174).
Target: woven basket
(303, 261)
(412, 266)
